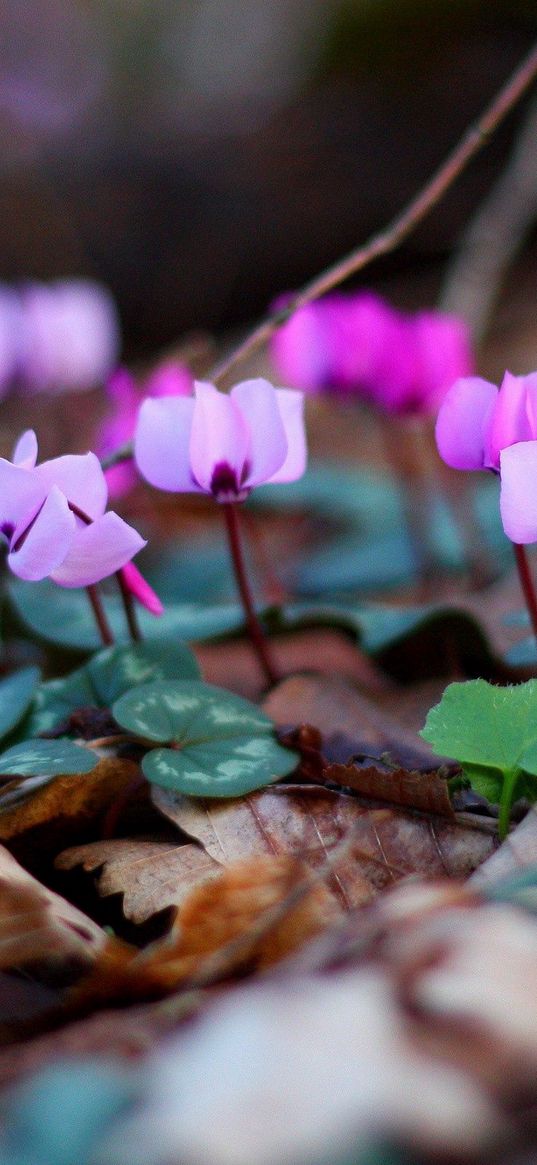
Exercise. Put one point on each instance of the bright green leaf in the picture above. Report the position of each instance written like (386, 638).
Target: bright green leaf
(16, 694)
(492, 732)
(219, 745)
(53, 758)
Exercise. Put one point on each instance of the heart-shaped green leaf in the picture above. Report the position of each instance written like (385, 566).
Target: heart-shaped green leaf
(105, 677)
(16, 695)
(492, 732)
(218, 745)
(53, 758)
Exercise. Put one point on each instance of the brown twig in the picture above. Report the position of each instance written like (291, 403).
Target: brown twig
(391, 236)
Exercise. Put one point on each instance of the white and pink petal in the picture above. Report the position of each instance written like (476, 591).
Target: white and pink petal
(268, 448)
(291, 406)
(38, 548)
(518, 496)
(220, 437)
(97, 551)
(162, 443)
(80, 477)
(462, 427)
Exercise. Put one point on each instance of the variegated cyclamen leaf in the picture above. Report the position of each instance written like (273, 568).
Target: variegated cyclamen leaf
(217, 744)
(48, 757)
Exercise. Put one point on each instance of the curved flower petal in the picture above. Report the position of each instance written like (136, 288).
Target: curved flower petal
(97, 551)
(291, 406)
(258, 404)
(219, 436)
(510, 421)
(43, 544)
(21, 494)
(80, 478)
(25, 451)
(140, 589)
(463, 423)
(162, 443)
(518, 497)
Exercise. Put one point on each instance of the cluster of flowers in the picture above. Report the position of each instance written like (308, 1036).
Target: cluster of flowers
(53, 517)
(56, 337)
(357, 344)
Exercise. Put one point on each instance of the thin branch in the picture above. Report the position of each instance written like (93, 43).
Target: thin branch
(391, 236)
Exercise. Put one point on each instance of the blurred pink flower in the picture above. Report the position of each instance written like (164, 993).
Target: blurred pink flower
(69, 335)
(53, 518)
(222, 444)
(167, 379)
(482, 427)
(359, 345)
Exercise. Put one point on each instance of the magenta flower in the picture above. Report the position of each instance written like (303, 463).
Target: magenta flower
(53, 519)
(168, 379)
(359, 345)
(221, 444)
(481, 427)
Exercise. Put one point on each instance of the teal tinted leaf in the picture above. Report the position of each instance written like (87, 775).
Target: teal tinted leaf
(492, 732)
(53, 758)
(16, 695)
(105, 677)
(54, 702)
(115, 670)
(63, 617)
(219, 745)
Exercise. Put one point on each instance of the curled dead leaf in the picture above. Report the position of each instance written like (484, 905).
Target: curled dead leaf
(82, 797)
(39, 927)
(151, 875)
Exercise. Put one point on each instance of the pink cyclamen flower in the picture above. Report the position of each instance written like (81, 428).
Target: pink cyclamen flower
(358, 345)
(482, 427)
(222, 444)
(53, 518)
(167, 379)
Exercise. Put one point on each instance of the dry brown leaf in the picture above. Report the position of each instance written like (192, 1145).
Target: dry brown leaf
(427, 792)
(333, 706)
(239, 905)
(151, 875)
(308, 821)
(82, 797)
(37, 926)
(323, 650)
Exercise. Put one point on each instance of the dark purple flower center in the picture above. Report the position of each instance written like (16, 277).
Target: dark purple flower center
(224, 485)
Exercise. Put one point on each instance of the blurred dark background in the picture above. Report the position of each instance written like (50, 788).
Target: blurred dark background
(199, 156)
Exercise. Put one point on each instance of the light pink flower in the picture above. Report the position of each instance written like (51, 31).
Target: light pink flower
(222, 444)
(54, 521)
(482, 427)
(167, 379)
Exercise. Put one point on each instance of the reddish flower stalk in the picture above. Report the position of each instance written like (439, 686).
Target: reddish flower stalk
(526, 583)
(255, 630)
(100, 618)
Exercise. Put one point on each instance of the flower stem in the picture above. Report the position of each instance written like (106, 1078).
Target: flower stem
(100, 617)
(255, 630)
(128, 604)
(526, 583)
